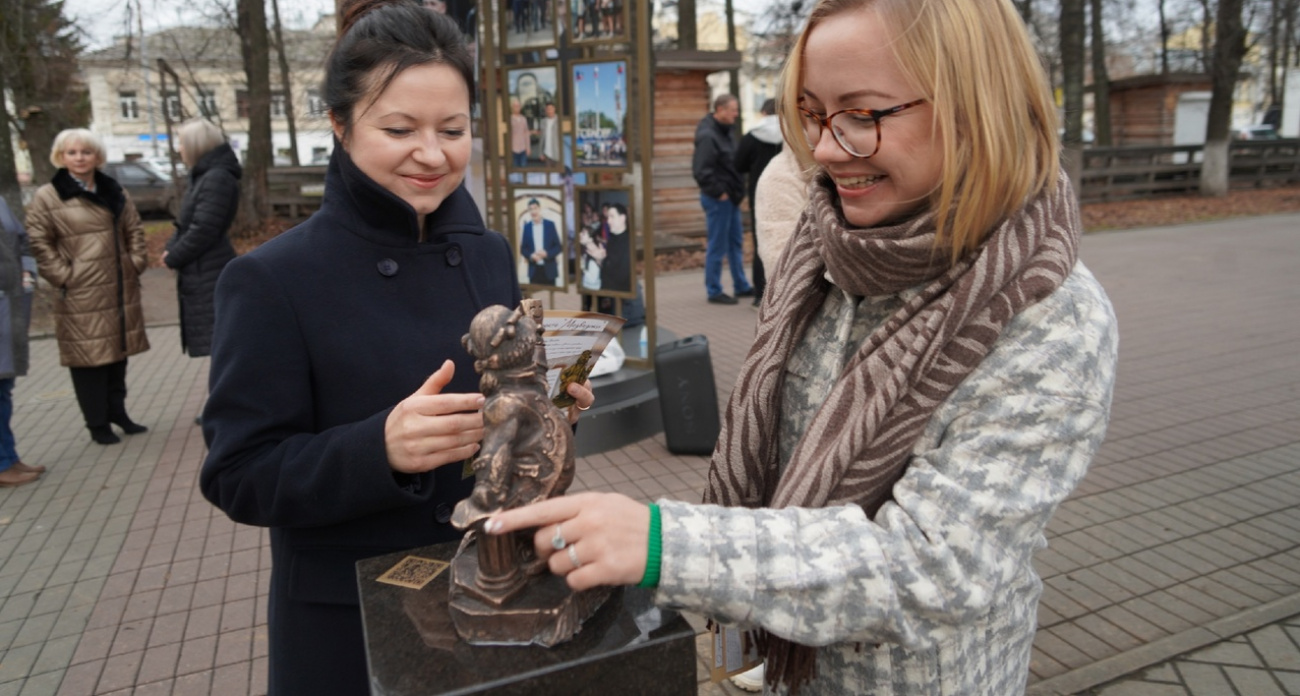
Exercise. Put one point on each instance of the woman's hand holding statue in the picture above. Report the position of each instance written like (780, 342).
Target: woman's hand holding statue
(429, 429)
(607, 533)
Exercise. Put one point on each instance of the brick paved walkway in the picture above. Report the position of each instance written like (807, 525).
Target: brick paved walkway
(117, 577)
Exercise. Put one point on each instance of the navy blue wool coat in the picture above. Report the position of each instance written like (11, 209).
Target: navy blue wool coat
(319, 333)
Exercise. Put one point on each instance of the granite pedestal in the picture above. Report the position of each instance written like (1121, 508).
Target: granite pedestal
(627, 647)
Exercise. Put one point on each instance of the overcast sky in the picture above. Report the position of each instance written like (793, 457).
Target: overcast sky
(101, 20)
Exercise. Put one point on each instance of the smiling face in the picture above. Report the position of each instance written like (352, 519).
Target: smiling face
(414, 138)
(848, 65)
(81, 159)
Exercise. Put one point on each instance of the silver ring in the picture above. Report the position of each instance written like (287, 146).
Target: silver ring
(581, 408)
(557, 541)
(573, 557)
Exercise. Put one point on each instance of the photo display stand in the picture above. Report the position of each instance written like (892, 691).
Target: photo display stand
(567, 126)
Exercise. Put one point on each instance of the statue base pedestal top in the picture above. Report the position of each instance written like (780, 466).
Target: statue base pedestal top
(545, 611)
(412, 647)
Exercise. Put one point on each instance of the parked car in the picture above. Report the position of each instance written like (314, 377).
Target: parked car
(1262, 131)
(163, 166)
(152, 192)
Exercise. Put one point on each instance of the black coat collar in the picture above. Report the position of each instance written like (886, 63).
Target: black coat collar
(219, 157)
(108, 193)
(379, 215)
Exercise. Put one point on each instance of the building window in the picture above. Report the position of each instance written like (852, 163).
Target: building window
(172, 103)
(207, 102)
(277, 104)
(315, 105)
(129, 105)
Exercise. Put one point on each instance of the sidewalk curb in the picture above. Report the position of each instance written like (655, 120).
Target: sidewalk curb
(1112, 668)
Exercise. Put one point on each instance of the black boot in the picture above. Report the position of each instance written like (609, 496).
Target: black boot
(104, 435)
(129, 426)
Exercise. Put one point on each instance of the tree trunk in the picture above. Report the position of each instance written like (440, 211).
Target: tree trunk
(9, 188)
(1072, 28)
(286, 84)
(254, 208)
(687, 37)
(1026, 10)
(1229, 47)
(1164, 38)
(1100, 79)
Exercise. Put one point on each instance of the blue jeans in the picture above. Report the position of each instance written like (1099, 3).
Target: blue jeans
(726, 240)
(8, 448)
(520, 158)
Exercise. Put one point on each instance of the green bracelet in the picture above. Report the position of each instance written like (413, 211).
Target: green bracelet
(655, 552)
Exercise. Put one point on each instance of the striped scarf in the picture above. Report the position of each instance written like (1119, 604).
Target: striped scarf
(857, 445)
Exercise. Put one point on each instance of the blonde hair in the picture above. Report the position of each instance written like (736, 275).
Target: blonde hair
(198, 137)
(77, 136)
(994, 114)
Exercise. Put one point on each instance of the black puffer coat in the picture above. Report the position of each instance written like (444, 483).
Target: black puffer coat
(200, 248)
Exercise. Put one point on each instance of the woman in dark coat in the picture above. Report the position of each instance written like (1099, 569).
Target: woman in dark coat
(342, 405)
(200, 248)
(88, 242)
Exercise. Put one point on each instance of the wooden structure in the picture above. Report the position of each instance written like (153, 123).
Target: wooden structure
(1143, 108)
(681, 99)
(1119, 173)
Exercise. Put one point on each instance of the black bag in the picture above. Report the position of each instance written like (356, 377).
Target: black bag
(688, 398)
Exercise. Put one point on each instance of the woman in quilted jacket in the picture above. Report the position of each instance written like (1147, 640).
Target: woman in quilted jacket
(200, 248)
(930, 377)
(86, 236)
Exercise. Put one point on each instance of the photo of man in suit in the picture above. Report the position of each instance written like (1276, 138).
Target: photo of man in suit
(539, 243)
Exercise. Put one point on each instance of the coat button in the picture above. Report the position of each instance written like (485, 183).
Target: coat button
(387, 268)
(453, 256)
(442, 513)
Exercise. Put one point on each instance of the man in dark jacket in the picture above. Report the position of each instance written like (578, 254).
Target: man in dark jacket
(721, 191)
(757, 148)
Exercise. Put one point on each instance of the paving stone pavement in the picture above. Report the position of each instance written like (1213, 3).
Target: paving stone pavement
(1174, 569)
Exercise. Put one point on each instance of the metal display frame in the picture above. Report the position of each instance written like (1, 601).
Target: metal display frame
(501, 177)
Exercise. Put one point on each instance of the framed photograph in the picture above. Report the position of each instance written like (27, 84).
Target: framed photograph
(537, 232)
(600, 114)
(605, 242)
(527, 24)
(597, 21)
(533, 126)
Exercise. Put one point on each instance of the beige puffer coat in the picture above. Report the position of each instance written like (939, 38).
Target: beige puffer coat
(92, 248)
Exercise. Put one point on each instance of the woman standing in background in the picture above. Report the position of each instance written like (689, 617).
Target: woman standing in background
(200, 247)
(88, 242)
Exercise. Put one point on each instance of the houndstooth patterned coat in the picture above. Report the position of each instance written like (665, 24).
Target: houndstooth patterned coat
(937, 595)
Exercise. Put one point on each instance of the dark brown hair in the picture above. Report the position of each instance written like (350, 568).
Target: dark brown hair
(377, 41)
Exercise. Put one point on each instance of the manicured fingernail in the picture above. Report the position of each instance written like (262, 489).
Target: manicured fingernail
(492, 526)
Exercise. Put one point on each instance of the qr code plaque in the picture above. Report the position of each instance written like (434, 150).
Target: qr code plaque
(413, 572)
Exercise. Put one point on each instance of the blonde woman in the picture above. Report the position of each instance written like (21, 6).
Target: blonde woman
(200, 247)
(88, 243)
(931, 376)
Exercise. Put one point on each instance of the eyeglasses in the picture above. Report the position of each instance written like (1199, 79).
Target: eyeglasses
(856, 130)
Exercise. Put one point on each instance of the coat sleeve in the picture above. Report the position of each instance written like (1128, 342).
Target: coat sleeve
(704, 164)
(216, 200)
(745, 154)
(133, 235)
(552, 235)
(962, 527)
(44, 236)
(267, 465)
